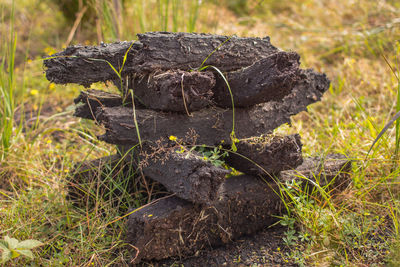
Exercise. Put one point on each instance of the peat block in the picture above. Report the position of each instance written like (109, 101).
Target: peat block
(266, 155)
(91, 99)
(155, 51)
(325, 171)
(268, 79)
(172, 226)
(166, 90)
(187, 175)
(245, 204)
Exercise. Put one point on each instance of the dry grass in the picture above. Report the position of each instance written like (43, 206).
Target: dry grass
(344, 39)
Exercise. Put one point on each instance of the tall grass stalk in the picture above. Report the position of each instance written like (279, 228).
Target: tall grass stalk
(396, 74)
(7, 89)
(153, 15)
(194, 8)
(395, 118)
(111, 16)
(163, 8)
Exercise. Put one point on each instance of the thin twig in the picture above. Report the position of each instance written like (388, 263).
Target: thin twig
(183, 96)
(78, 19)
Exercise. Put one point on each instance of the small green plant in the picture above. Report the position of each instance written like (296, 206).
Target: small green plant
(12, 248)
(215, 155)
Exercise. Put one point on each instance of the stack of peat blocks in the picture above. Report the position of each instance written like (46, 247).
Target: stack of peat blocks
(179, 90)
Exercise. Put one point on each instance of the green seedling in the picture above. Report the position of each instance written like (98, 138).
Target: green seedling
(12, 248)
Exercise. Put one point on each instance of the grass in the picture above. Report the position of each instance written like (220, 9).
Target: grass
(345, 39)
(7, 90)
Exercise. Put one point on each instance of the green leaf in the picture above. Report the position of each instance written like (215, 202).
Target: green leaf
(26, 252)
(6, 256)
(29, 244)
(125, 57)
(12, 242)
(14, 253)
(3, 245)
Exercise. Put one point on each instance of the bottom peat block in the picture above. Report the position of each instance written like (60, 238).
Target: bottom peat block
(174, 227)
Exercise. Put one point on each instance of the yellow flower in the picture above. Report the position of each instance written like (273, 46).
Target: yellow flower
(172, 138)
(52, 86)
(48, 141)
(49, 50)
(150, 215)
(34, 92)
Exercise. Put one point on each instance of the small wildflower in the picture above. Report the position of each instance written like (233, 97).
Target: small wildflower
(205, 158)
(52, 86)
(150, 215)
(278, 249)
(172, 138)
(49, 50)
(48, 141)
(34, 92)
(66, 171)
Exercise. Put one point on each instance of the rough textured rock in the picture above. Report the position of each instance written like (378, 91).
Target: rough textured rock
(154, 51)
(212, 124)
(174, 227)
(266, 155)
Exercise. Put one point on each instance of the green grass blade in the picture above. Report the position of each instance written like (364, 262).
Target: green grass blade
(216, 49)
(232, 135)
(395, 117)
(135, 119)
(125, 56)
